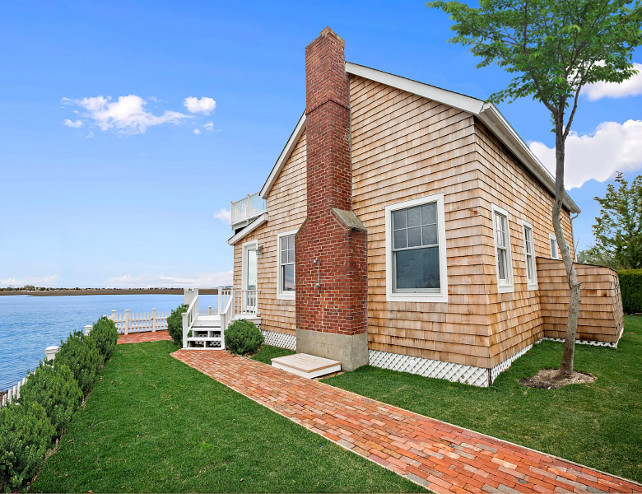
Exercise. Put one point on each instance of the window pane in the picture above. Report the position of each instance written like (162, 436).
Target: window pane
(501, 264)
(529, 267)
(401, 239)
(414, 236)
(414, 216)
(288, 277)
(291, 255)
(417, 268)
(429, 235)
(399, 219)
(429, 214)
(284, 256)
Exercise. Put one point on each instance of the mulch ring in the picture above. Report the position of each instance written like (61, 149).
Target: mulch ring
(550, 379)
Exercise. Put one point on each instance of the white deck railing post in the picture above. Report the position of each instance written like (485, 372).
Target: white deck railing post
(87, 329)
(114, 317)
(50, 352)
(185, 329)
(128, 319)
(153, 320)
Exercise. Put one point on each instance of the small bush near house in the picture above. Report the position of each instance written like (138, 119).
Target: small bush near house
(175, 324)
(25, 435)
(631, 288)
(56, 389)
(243, 337)
(105, 334)
(81, 355)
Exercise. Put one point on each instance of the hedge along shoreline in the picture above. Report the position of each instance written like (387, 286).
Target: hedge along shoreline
(30, 429)
(631, 289)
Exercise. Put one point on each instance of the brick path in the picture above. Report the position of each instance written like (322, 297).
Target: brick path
(143, 337)
(437, 455)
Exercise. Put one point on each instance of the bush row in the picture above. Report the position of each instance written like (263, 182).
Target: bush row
(631, 288)
(48, 400)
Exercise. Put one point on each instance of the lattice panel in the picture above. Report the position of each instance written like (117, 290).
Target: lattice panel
(584, 342)
(279, 339)
(502, 366)
(467, 374)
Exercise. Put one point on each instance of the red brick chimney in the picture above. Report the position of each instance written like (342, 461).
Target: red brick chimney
(331, 248)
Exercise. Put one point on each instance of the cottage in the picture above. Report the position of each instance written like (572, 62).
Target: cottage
(408, 227)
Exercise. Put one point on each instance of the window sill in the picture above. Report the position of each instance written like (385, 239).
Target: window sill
(285, 296)
(505, 288)
(417, 297)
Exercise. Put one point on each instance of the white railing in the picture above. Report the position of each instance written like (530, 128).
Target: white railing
(190, 298)
(11, 394)
(227, 314)
(247, 208)
(139, 323)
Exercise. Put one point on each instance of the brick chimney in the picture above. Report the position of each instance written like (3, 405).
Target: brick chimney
(331, 248)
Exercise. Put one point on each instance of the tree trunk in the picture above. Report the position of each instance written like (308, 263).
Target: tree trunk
(574, 299)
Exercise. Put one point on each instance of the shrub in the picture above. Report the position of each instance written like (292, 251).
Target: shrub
(243, 337)
(25, 435)
(105, 334)
(56, 389)
(631, 288)
(81, 355)
(175, 324)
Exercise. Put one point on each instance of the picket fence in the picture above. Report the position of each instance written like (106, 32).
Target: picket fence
(140, 323)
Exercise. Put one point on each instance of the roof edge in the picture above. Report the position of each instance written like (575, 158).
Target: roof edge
(283, 157)
(248, 229)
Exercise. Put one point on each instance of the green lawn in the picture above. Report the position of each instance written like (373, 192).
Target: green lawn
(598, 424)
(153, 424)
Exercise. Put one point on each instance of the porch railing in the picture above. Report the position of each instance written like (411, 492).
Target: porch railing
(246, 209)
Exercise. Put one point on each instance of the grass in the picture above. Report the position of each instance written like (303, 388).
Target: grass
(153, 424)
(597, 424)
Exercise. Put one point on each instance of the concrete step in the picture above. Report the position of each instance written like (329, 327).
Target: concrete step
(305, 365)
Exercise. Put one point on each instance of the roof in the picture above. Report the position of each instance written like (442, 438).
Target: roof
(486, 112)
(248, 229)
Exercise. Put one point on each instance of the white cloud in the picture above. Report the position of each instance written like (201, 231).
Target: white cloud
(126, 115)
(200, 280)
(197, 131)
(209, 126)
(630, 87)
(74, 124)
(613, 147)
(47, 280)
(203, 105)
(224, 215)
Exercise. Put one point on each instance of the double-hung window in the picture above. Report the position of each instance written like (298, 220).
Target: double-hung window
(553, 242)
(502, 250)
(416, 251)
(285, 275)
(529, 253)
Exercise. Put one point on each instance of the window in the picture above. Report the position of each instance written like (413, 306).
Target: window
(529, 253)
(553, 242)
(502, 250)
(416, 251)
(285, 264)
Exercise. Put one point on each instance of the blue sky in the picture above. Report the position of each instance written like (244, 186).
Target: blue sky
(109, 177)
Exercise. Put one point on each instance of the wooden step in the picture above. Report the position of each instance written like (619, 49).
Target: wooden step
(305, 365)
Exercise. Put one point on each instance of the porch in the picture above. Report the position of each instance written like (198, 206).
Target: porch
(206, 330)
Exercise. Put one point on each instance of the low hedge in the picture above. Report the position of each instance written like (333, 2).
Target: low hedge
(56, 389)
(25, 436)
(105, 334)
(243, 337)
(80, 353)
(175, 324)
(631, 288)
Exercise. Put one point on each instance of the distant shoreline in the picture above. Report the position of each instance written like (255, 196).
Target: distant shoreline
(51, 292)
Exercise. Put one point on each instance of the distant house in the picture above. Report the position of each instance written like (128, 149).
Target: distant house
(408, 227)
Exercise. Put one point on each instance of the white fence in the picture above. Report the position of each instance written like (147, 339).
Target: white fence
(139, 323)
(12, 394)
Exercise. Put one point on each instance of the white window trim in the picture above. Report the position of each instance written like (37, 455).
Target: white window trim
(551, 236)
(503, 286)
(280, 294)
(442, 295)
(531, 284)
(245, 247)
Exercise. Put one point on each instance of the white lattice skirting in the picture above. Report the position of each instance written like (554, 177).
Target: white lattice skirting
(584, 342)
(279, 339)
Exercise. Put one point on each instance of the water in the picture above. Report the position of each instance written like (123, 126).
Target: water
(30, 324)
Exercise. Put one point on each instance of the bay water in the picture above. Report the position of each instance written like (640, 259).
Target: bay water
(29, 324)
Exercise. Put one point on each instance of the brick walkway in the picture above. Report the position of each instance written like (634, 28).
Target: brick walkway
(437, 455)
(143, 337)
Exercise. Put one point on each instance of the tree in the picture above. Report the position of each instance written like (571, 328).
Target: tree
(554, 48)
(618, 228)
